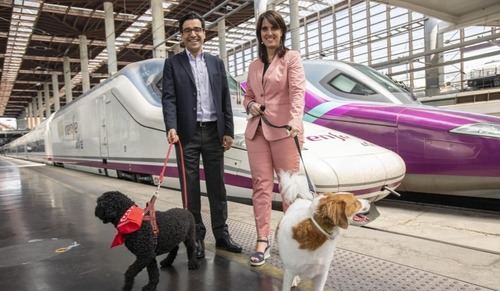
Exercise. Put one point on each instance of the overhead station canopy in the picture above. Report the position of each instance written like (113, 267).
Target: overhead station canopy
(35, 36)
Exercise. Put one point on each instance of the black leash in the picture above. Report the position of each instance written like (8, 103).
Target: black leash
(297, 144)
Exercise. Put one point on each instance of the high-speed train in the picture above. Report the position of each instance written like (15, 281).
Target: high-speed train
(446, 152)
(117, 129)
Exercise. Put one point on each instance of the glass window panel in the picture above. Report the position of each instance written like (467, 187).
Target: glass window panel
(451, 55)
(379, 17)
(359, 34)
(379, 53)
(312, 33)
(313, 48)
(359, 16)
(400, 20)
(480, 51)
(341, 14)
(360, 50)
(343, 30)
(398, 11)
(327, 44)
(416, 15)
(378, 8)
(379, 44)
(419, 44)
(326, 34)
(400, 68)
(418, 34)
(382, 58)
(344, 55)
(401, 38)
(419, 74)
(359, 24)
(419, 83)
(451, 69)
(343, 39)
(398, 49)
(312, 25)
(342, 22)
(378, 27)
(327, 20)
(451, 37)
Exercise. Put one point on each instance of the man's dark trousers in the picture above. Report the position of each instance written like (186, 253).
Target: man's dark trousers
(205, 141)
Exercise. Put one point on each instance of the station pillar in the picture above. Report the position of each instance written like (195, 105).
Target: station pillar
(109, 28)
(84, 60)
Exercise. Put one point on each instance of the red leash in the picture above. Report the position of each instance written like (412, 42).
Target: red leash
(149, 210)
(181, 172)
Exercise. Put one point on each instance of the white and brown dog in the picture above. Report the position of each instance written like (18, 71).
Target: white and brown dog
(307, 233)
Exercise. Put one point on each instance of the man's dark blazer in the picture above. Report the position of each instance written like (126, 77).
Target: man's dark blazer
(180, 101)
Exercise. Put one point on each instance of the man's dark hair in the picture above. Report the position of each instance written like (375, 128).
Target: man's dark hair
(189, 16)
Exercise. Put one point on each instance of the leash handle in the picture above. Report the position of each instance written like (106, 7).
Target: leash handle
(297, 144)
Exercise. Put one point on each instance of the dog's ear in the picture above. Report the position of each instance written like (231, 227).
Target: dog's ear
(340, 216)
(104, 212)
(335, 209)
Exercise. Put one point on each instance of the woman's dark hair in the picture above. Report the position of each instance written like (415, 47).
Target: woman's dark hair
(189, 16)
(277, 21)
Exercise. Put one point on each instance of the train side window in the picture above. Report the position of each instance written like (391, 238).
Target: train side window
(346, 84)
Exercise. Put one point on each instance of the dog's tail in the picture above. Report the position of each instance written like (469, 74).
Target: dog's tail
(293, 186)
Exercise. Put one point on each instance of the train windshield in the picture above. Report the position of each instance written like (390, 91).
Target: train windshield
(344, 81)
(398, 91)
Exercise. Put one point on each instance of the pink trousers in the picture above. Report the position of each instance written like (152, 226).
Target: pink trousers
(267, 157)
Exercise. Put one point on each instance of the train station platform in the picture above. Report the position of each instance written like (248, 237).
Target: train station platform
(51, 240)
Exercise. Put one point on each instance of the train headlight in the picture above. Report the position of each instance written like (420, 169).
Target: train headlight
(480, 129)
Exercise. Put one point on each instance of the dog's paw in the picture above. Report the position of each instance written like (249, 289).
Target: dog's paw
(149, 287)
(166, 263)
(193, 264)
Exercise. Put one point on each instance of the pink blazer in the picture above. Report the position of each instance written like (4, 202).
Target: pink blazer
(281, 91)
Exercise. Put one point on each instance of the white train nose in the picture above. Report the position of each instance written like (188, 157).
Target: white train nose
(340, 162)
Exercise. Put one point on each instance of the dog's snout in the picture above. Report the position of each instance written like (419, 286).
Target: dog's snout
(365, 205)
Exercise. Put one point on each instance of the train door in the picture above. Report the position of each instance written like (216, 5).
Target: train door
(102, 102)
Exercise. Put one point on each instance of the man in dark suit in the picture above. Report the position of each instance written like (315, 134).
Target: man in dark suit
(197, 110)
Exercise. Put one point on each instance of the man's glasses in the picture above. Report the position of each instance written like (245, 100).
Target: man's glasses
(189, 30)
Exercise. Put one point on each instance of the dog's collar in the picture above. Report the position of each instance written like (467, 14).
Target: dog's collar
(330, 236)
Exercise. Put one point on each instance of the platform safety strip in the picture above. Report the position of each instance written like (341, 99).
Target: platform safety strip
(354, 271)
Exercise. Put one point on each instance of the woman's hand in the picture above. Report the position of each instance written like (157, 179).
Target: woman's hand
(255, 109)
(293, 132)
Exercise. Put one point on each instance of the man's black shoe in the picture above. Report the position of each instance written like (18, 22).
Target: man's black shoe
(200, 249)
(226, 243)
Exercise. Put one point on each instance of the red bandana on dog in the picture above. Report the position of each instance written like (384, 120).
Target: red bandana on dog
(131, 221)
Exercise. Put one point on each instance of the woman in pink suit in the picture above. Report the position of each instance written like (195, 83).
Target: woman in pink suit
(275, 89)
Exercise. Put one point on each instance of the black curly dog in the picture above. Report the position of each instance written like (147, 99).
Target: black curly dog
(175, 226)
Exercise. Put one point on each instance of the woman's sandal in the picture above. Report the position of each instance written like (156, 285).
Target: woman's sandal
(259, 258)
